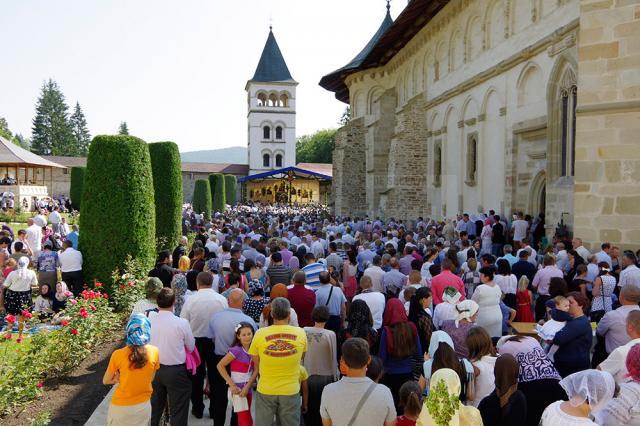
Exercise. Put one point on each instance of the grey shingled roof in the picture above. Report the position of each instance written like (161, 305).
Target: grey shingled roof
(272, 66)
(11, 153)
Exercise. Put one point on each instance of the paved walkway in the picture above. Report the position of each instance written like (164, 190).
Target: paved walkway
(99, 416)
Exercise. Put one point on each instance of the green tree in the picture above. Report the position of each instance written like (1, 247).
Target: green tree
(17, 139)
(118, 208)
(316, 148)
(230, 186)
(202, 197)
(218, 195)
(77, 185)
(21, 141)
(51, 133)
(167, 185)
(4, 129)
(346, 116)
(81, 134)
(123, 129)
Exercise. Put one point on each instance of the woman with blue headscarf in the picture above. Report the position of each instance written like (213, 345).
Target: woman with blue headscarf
(132, 368)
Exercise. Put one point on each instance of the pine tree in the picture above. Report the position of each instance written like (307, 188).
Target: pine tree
(80, 131)
(51, 133)
(124, 129)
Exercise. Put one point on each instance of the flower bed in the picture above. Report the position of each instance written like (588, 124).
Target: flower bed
(87, 321)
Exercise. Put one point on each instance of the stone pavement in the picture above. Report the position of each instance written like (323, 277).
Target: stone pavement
(99, 416)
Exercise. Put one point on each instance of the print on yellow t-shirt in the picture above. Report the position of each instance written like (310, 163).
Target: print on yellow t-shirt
(280, 349)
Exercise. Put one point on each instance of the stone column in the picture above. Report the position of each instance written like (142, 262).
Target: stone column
(348, 184)
(607, 166)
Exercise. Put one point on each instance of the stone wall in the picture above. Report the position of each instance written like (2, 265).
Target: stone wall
(349, 178)
(407, 189)
(607, 180)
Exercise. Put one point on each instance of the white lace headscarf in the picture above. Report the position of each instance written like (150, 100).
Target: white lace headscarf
(23, 268)
(594, 387)
(466, 309)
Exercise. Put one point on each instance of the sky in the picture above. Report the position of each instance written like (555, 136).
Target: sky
(176, 70)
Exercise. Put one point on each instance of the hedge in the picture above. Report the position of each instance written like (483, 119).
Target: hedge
(230, 184)
(77, 182)
(202, 197)
(167, 185)
(218, 196)
(118, 210)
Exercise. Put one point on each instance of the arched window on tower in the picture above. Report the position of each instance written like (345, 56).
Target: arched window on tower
(273, 99)
(284, 99)
(279, 132)
(266, 132)
(262, 99)
(278, 160)
(266, 160)
(568, 101)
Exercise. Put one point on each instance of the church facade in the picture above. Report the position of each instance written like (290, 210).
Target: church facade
(467, 106)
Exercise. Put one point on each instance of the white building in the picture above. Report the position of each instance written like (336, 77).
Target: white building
(271, 105)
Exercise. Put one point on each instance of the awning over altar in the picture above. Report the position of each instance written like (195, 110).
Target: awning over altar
(287, 172)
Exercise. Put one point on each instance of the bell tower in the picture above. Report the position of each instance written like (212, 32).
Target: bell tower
(271, 104)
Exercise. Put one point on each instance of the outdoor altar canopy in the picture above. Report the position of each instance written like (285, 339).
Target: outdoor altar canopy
(289, 185)
(25, 177)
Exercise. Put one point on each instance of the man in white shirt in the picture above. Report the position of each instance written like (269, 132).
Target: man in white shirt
(631, 273)
(375, 274)
(375, 300)
(198, 310)
(34, 238)
(580, 249)
(616, 362)
(603, 255)
(55, 219)
(171, 335)
(71, 267)
(533, 254)
(519, 228)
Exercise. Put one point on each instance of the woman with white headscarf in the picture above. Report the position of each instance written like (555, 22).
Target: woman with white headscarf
(442, 354)
(18, 295)
(458, 329)
(588, 391)
(447, 309)
(442, 407)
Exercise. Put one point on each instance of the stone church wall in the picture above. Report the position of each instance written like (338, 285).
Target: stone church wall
(607, 196)
(348, 185)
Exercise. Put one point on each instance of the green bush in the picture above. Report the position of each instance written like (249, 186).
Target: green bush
(167, 184)
(230, 184)
(218, 195)
(77, 182)
(118, 210)
(202, 197)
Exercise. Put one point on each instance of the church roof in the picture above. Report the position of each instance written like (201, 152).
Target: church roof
(272, 66)
(390, 38)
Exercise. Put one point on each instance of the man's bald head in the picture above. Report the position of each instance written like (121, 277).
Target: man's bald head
(633, 324)
(236, 298)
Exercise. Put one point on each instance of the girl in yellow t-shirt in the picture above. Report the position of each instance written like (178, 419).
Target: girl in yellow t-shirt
(132, 368)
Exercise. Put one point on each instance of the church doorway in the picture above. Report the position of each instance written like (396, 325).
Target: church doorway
(538, 195)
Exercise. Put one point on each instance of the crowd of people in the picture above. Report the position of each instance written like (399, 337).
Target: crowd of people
(291, 314)
(44, 256)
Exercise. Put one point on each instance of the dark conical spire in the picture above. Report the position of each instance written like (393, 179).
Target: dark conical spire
(272, 66)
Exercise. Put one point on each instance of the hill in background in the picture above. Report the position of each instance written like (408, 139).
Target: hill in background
(233, 155)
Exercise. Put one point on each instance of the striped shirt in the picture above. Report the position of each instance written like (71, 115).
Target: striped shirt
(278, 274)
(312, 272)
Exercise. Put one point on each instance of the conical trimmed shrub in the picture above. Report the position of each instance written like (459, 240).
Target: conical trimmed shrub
(202, 197)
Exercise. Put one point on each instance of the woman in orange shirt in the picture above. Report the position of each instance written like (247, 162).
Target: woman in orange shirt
(132, 368)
